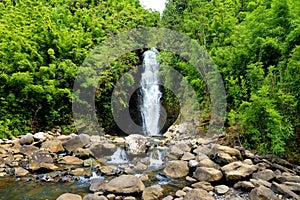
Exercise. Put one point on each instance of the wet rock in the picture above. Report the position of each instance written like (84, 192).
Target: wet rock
(266, 175)
(28, 149)
(283, 189)
(97, 184)
(198, 194)
(53, 146)
(76, 142)
(237, 170)
(207, 174)
(19, 171)
(125, 184)
(262, 193)
(26, 139)
(78, 172)
(224, 155)
(203, 185)
(221, 189)
(69, 196)
(94, 197)
(176, 169)
(153, 192)
(136, 144)
(70, 160)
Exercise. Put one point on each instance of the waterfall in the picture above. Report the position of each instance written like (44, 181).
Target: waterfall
(119, 157)
(150, 108)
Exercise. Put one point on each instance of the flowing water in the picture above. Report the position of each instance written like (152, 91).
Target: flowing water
(150, 108)
(119, 157)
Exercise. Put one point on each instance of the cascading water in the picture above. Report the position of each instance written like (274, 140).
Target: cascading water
(119, 157)
(150, 108)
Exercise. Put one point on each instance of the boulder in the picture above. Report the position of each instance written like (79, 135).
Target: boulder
(53, 146)
(176, 169)
(188, 156)
(293, 186)
(198, 194)
(136, 144)
(38, 157)
(205, 161)
(28, 149)
(99, 150)
(207, 174)
(76, 142)
(238, 170)
(153, 192)
(125, 184)
(266, 175)
(82, 153)
(26, 139)
(262, 193)
(224, 155)
(69, 196)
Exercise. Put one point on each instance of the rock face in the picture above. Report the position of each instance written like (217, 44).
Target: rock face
(153, 193)
(69, 196)
(176, 169)
(207, 174)
(136, 144)
(125, 184)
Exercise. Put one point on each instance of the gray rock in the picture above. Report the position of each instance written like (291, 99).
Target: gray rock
(245, 185)
(207, 174)
(293, 186)
(94, 197)
(99, 150)
(176, 169)
(76, 142)
(125, 184)
(26, 139)
(266, 175)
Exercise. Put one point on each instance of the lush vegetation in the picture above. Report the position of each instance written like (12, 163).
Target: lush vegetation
(255, 43)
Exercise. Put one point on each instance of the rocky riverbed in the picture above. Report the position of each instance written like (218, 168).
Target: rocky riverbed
(177, 166)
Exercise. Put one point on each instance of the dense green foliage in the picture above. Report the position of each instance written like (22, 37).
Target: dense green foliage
(255, 43)
(256, 47)
(42, 45)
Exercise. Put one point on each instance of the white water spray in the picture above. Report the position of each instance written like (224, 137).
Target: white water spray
(119, 157)
(151, 95)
